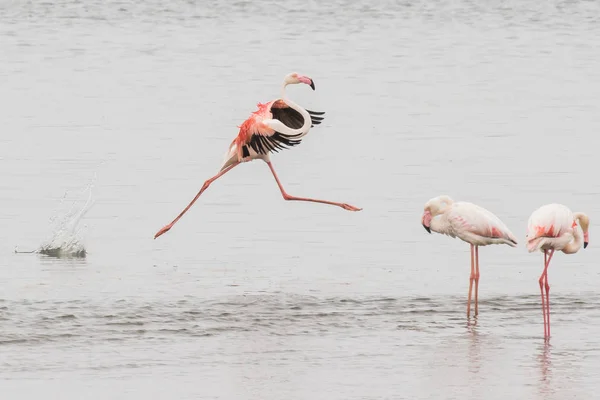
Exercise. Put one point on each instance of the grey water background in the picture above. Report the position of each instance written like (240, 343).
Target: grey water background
(252, 297)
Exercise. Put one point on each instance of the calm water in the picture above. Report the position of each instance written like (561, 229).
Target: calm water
(252, 297)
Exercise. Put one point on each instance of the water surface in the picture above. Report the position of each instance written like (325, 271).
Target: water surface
(252, 297)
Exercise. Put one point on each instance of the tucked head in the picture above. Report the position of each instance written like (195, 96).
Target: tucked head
(434, 207)
(295, 78)
(584, 222)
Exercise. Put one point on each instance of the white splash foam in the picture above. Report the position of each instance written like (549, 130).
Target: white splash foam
(67, 233)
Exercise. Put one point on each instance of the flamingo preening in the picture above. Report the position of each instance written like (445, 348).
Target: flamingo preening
(276, 125)
(550, 228)
(470, 223)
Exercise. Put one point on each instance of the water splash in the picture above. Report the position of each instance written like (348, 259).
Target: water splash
(67, 233)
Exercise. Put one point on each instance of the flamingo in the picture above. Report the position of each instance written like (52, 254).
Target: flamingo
(550, 228)
(470, 223)
(276, 125)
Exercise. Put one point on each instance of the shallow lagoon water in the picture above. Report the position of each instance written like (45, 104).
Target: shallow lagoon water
(249, 296)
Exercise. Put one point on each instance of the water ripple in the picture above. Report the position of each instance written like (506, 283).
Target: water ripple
(51, 321)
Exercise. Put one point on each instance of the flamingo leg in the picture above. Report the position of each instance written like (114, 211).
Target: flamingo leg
(547, 286)
(289, 197)
(204, 187)
(471, 279)
(542, 292)
(476, 280)
(544, 285)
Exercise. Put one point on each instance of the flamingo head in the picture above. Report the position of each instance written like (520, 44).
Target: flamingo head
(584, 222)
(295, 78)
(433, 208)
(426, 220)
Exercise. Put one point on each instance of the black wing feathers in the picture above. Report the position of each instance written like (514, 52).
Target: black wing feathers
(315, 118)
(278, 141)
(288, 116)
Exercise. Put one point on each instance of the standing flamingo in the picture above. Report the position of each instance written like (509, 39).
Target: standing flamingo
(276, 125)
(472, 224)
(554, 227)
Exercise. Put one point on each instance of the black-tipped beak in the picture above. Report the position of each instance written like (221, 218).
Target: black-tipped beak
(427, 229)
(312, 84)
(585, 244)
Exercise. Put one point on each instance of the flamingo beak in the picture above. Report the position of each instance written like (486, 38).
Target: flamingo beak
(307, 80)
(586, 239)
(426, 221)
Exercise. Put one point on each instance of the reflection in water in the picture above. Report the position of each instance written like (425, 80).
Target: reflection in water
(422, 335)
(545, 366)
(474, 348)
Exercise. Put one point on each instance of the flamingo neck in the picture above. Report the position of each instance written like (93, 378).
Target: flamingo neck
(575, 245)
(440, 224)
(286, 130)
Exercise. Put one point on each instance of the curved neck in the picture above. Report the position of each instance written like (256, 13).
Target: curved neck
(576, 243)
(440, 224)
(286, 130)
(283, 95)
(580, 234)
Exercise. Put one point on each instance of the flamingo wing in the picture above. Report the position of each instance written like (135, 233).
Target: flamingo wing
(551, 220)
(470, 219)
(293, 118)
(264, 140)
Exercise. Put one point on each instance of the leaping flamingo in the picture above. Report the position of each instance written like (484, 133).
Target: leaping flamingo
(276, 125)
(470, 223)
(554, 227)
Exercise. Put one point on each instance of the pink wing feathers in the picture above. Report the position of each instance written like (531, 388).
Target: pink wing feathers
(549, 221)
(469, 219)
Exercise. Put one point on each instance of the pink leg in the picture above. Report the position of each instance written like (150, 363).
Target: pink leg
(476, 280)
(471, 279)
(288, 197)
(548, 291)
(204, 187)
(542, 292)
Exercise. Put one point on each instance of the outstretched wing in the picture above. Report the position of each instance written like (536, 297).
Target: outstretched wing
(292, 118)
(264, 143)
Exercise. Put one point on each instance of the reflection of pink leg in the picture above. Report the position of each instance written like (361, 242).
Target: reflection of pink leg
(476, 280)
(542, 292)
(289, 197)
(548, 290)
(204, 187)
(471, 279)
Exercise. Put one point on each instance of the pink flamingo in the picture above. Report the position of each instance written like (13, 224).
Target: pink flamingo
(470, 223)
(554, 227)
(279, 124)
